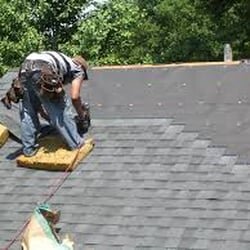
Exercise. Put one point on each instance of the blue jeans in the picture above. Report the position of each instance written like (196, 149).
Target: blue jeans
(59, 112)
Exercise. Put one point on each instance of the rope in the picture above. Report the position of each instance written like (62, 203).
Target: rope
(63, 177)
(19, 232)
(59, 181)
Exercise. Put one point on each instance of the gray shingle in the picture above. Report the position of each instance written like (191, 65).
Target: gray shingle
(149, 184)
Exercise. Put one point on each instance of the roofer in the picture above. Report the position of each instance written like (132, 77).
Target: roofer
(43, 76)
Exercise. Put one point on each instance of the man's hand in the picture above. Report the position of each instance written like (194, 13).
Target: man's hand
(84, 123)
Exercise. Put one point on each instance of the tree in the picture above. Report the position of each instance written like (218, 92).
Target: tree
(17, 37)
(57, 19)
(108, 35)
(186, 33)
(125, 31)
(135, 31)
(232, 18)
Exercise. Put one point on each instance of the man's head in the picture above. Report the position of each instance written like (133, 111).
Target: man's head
(79, 60)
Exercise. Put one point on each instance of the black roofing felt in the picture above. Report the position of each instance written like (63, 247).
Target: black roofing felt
(213, 100)
(153, 180)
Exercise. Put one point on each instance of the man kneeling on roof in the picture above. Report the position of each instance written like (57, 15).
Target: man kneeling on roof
(43, 76)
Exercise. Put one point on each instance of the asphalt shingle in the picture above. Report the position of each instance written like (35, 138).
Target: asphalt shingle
(150, 183)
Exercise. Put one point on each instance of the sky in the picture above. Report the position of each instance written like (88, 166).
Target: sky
(90, 8)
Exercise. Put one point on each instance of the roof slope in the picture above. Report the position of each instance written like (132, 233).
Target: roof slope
(150, 183)
(211, 99)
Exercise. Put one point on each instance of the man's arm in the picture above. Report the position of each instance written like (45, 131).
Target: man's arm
(75, 96)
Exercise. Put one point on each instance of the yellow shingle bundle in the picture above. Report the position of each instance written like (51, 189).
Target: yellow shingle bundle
(4, 135)
(54, 155)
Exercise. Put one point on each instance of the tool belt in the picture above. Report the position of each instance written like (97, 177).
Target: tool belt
(50, 82)
(14, 93)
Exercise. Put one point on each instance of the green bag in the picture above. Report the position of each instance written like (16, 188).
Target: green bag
(41, 233)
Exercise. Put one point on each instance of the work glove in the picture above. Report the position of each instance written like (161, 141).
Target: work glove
(83, 124)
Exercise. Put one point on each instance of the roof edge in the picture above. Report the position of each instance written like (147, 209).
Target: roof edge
(191, 64)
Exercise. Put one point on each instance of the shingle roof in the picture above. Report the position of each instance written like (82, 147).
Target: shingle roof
(213, 100)
(150, 183)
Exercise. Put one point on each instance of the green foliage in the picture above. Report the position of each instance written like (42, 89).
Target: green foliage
(159, 31)
(17, 36)
(215, 7)
(56, 19)
(31, 25)
(125, 31)
(187, 35)
(108, 36)
(231, 18)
